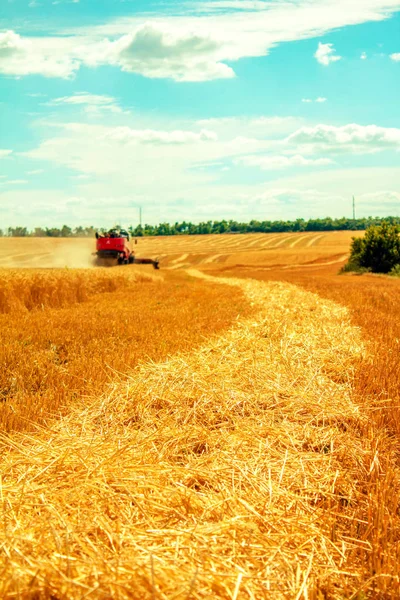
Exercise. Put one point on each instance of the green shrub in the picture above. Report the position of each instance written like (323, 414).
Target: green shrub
(395, 272)
(378, 251)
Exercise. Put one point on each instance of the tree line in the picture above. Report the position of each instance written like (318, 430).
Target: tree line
(63, 232)
(208, 227)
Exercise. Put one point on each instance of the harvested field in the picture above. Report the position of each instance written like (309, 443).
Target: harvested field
(184, 250)
(262, 463)
(46, 252)
(229, 472)
(374, 305)
(68, 332)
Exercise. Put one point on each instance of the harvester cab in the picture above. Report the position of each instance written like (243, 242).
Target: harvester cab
(113, 246)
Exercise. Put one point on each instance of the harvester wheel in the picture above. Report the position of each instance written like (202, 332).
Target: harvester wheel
(120, 261)
(131, 259)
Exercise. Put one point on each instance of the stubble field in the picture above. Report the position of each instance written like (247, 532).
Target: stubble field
(177, 252)
(169, 435)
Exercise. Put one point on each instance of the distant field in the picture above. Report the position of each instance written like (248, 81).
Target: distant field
(214, 251)
(176, 252)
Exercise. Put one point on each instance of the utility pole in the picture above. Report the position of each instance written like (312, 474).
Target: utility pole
(354, 209)
(140, 215)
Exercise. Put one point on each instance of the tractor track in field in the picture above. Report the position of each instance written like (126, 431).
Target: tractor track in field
(315, 239)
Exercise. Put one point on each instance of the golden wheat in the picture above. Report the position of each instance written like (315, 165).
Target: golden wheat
(374, 304)
(262, 465)
(66, 333)
(228, 472)
(179, 252)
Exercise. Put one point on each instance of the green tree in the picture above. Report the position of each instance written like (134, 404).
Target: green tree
(378, 251)
(18, 231)
(66, 231)
(39, 232)
(53, 232)
(136, 231)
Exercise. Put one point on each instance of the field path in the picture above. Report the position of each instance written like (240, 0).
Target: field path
(335, 261)
(178, 262)
(282, 240)
(211, 259)
(315, 239)
(220, 472)
(298, 239)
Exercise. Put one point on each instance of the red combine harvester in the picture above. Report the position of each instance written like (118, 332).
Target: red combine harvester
(113, 246)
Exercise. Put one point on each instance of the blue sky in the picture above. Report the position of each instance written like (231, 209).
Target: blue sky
(198, 110)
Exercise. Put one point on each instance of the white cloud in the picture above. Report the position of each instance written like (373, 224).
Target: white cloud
(22, 56)
(271, 163)
(92, 103)
(149, 136)
(138, 156)
(319, 100)
(380, 200)
(308, 195)
(348, 138)
(4, 153)
(99, 148)
(225, 5)
(326, 54)
(35, 172)
(395, 57)
(117, 166)
(250, 128)
(83, 98)
(188, 42)
(159, 52)
(363, 56)
(13, 182)
(345, 182)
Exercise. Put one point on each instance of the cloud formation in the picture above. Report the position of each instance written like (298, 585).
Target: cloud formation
(92, 103)
(189, 42)
(271, 163)
(4, 153)
(319, 100)
(22, 56)
(363, 139)
(150, 136)
(157, 52)
(326, 54)
(83, 98)
(395, 57)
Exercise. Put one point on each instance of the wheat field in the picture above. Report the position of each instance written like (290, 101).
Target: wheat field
(176, 252)
(67, 332)
(225, 428)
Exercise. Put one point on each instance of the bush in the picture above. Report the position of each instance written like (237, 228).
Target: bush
(378, 251)
(395, 272)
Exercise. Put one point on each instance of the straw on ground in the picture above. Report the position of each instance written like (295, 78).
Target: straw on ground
(226, 472)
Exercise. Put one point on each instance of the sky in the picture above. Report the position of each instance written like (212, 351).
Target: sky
(197, 110)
